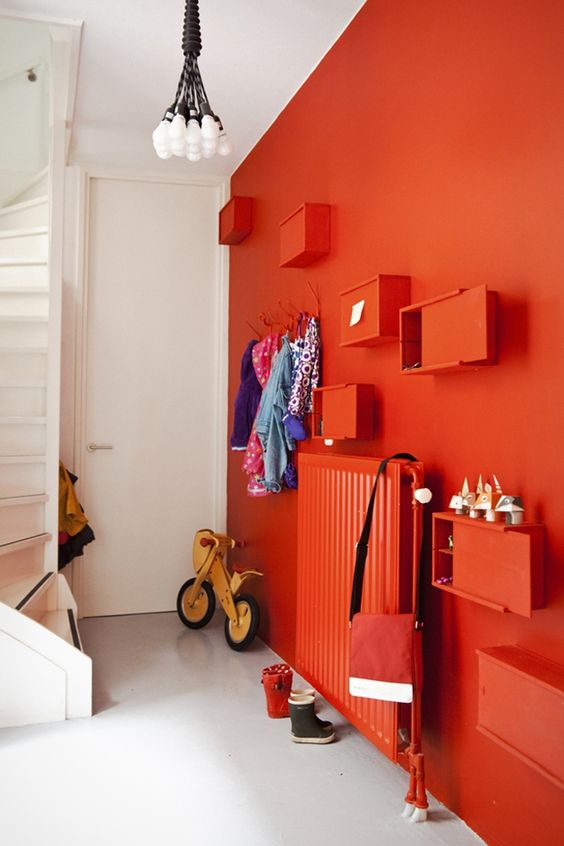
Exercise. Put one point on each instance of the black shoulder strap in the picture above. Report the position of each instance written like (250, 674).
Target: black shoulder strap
(362, 545)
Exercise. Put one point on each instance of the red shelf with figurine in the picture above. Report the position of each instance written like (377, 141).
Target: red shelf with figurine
(495, 564)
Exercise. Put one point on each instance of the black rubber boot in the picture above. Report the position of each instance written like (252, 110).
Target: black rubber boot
(306, 727)
(302, 696)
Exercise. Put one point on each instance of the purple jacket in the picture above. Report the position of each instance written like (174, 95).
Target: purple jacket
(246, 401)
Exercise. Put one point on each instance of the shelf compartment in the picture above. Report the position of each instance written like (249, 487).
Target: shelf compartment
(236, 220)
(455, 331)
(373, 309)
(520, 694)
(343, 412)
(305, 235)
(496, 565)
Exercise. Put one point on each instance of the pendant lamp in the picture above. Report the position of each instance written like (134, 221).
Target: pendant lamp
(189, 127)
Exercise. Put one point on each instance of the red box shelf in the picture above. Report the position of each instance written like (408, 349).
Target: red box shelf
(455, 331)
(497, 565)
(305, 235)
(235, 220)
(377, 303)
(521, 707)
(341, 412)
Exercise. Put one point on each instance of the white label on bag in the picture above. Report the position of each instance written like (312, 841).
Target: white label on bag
(388, 691)
(356, 313)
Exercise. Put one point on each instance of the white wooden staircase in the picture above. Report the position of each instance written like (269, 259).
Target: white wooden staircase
(44, 674)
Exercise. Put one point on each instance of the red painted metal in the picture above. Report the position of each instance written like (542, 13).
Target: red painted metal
(332, 500)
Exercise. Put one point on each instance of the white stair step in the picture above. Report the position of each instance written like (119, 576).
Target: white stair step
(23, 516)
(23, 350)
(24, 271)
(32, 242)
(24, 289)
(22, 435)
(24, 333)
(33, 212)
(22, 421)
(63, 624)
(23, 318)
(13, 495)
(23, 459)
(19, 363)
(36, 187)
(23, 472)
(24, 400)
(23, 305)
(13, 544)
(22, 592)
(23, 383)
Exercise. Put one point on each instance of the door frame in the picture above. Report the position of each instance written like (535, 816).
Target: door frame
(81, 179)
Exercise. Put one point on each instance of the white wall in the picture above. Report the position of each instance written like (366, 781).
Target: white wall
(24, 105)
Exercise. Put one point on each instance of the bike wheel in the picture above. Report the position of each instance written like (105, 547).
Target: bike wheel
(199, 614)
(240, 636)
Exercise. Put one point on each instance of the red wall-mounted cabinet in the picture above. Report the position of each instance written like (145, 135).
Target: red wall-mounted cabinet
(497, 565)
(456, 331)
(370, 311)
(235, 220)
(341, 412)
(305, 235)
(521, 707)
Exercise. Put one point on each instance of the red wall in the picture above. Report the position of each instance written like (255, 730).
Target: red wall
(436, 132)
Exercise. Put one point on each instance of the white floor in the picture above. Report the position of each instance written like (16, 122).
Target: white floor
(181, 751)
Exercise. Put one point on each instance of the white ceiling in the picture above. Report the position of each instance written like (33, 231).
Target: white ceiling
(256, 54)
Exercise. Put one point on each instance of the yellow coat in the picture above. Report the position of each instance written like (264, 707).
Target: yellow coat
(71, 516)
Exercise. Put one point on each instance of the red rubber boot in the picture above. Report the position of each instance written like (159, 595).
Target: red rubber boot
(277, 683)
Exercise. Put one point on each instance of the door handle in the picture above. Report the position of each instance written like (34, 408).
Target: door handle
(94, 447)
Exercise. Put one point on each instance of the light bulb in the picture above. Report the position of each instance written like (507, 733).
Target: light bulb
(208, 149)
(177, 127)
(160, 134)
(193, 133)
(224, 147)
(210, 129)
(178, 147)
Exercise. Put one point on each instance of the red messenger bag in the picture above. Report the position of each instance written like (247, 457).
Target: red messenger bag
(385, 654)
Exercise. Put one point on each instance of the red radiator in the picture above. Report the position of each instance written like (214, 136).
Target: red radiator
(333, 496)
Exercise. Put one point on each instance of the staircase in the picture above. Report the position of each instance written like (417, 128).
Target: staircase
(44, 674)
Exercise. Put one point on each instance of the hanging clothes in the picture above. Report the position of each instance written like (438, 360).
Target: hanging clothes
(275, 439)
(74, 531)
(307, 373)
(253, 464)
(246, 402)
(305, 379)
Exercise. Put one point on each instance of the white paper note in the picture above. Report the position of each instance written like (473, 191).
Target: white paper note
(356, 313)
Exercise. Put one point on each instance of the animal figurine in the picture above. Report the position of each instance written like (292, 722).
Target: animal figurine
(479, 491)
(463, 501)
(512, 507)
(488, 499)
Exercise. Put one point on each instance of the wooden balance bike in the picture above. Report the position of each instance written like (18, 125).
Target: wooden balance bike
(197, 597)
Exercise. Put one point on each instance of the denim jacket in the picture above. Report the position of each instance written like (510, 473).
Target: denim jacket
(274, 437)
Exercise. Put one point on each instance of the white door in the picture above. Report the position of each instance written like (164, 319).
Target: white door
(152, 370)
